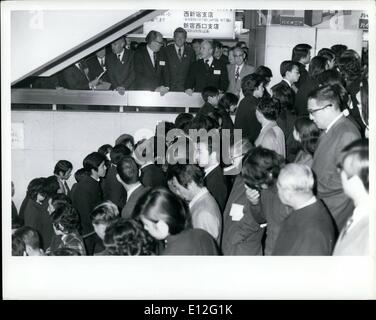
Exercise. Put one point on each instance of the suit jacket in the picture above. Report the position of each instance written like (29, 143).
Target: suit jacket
(113, 189)
(205, 109)
(306, 232)
(285, 121)
(284, 85)
(121, 73)
(95, 69)
(240, 236)
(74, 79)
(301, 98)
(327, 155)
(153, 176)
(235, 86)
(217, 186)
(303, 75)
(245, 118)
(200, 76)
(176, 70)
(207, 216)
(132, 201)
(86, 196)
(148, 77)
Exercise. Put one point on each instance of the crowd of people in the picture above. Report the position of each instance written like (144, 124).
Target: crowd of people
(297, 182)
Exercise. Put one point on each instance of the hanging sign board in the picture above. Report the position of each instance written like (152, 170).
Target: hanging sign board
(204, 24)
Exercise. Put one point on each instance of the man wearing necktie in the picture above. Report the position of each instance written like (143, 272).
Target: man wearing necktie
(75, 77)
(150, 64)
(207, 72)
(97, 64)
(120, 66)
(237, 71)
(179, 58)
(63, 170)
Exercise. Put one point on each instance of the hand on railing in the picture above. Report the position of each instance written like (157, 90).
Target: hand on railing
(189, 92)
(162, 90)
(93, 84)
(121, 90)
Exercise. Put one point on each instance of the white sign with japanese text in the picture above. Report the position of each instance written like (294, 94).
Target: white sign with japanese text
(206, 24)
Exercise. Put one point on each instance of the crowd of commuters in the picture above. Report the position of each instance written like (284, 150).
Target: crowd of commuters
(297, 182)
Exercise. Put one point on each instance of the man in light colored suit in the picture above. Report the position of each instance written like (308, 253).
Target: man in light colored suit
(237, 71)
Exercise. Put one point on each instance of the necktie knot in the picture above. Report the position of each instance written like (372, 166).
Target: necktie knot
(179, 53)
(237, 73)
(119, 56)
(155, 59)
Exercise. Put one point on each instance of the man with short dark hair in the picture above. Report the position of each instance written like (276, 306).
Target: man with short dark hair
(63, 170)
(31, 239)
(218, 52)
(97, 64)
(127, 175)
(179, 58)
(211, 97)
(301, 54)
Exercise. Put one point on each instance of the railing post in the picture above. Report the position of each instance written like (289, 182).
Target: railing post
(54, 107)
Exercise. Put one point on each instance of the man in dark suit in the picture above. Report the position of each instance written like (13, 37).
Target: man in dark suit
(301, 54)
(179, 58)
(150, 64)
(218, 52)
(207, 72)
(75, 77)
(63, 170)
(88, 194)
(120, 66)
(127, 175)
(97, 65)
(309, 228)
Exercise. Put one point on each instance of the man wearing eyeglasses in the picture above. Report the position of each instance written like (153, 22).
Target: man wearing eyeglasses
(150, 64)
(338, 132)
(237, 71)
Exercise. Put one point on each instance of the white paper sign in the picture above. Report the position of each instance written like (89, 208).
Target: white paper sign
(17, 134)
(204, 24)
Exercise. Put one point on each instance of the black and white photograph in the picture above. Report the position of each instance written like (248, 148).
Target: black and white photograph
(164, 150)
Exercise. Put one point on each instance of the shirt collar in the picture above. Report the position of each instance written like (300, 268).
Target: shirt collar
(202, 192)
(240, 67)
(210, 169)
(133, 188)
(308, 203)
(177, 49)
(288, 82)
(333, 122)
(121, 55)
(210, 60)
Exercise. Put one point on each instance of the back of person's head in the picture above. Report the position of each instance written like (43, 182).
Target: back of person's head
(327, 53)
(264, 72)
(174, 211)
(93, 160)
(62, 166)
(350, 67)
(327, 94)
(18, 246)
(29, 236)
(35, 186)
(204, 122)
(330, 76)
(79, 174)
(209, 92)
(317, 65)
(64, 252)
(300, 51)
(285, 96)
(104, 213)
(356, 155)
(152, 35)
(127, 237)
(183, 121)
(125, 139)
(261, 168)
(285, 66)
(250, 83)
(186, 174)
(298, 178)
(308, 132)
(338, 49)
(66, 219)
(227, 100)
(50, 186)
(269, 107)
(119, 152)
(127, 170)
(105, 149)
(61, 197)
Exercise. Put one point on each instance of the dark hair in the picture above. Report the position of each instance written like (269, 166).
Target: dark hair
(338, 49)
(285, 96)
(287, 65)
(105, 149)
(264, 72)
(60, 198)
(209, 92)
(227, 100)
(104, 213)
(18, 246)
(183, 121)
(196, 40)
(180, 30)
(93, 161)
(118, 153)
(317, 65)
(64, 252)
(217, 44)
(124, 139)
(127, 237)
(269, 107)
(364, 100)
(62, 166)
(300, 51)
(330, 76)
(152, 35)
(205, 122)
(261, 166)
(329, 93)
(350, 67)
(327, 53)
(35, 186)
(250, 82)
(79, 174)
(185, 174)
(50, 186)
(128, 170)
(174, 210)
(29, 236)
(309, 134)
(66, 218)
